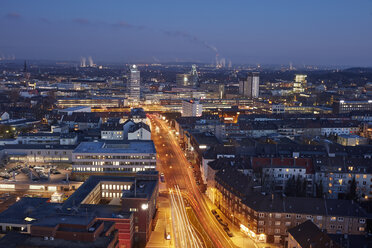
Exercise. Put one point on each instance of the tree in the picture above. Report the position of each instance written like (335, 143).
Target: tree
(319, 189)
(303, 187)
(289, 188)
(352, 195)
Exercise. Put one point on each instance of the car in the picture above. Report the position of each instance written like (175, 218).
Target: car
(226, 229)
(229, 234)
(214, 212)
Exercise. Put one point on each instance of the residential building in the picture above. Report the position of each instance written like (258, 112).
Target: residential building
(112, 131)
(191, 108)
(308, 235)
(138, 115)
(139, 131)
(351, 140)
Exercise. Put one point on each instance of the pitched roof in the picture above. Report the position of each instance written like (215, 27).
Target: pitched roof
(309, 235)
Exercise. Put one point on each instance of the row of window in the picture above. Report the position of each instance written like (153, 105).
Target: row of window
(112, 157)
(309, 217)
(115, 163)
(115, 186)
(100, 169)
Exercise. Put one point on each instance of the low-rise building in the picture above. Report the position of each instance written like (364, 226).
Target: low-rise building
(307, 235)
(351, 140)
(122, 206)
(39, 153)
(139, 131)
(110, 157)
(112, 131)
(267, 217)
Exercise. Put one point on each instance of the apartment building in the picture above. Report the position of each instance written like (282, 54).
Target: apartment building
(267, 217)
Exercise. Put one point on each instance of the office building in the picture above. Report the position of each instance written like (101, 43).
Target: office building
(188, 79)
(105, 211)
(183, 80)
(342, 106)
(299, 84)
(134, 84)
(191, 108)
(113, 157)
(93, 102)
(194, 76)
(250, 87)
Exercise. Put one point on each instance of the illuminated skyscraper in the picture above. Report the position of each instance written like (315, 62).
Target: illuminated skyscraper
(183, 80)
(299, 84)
(194, 76)
(134, 84)
(250, 87)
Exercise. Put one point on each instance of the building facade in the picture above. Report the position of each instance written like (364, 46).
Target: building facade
(251, 86)
(134, 85)
(191, 108)
(92, 158)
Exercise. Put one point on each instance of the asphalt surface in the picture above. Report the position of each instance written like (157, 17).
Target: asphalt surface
(177, 171)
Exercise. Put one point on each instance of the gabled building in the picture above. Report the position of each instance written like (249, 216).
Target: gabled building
(139, 131)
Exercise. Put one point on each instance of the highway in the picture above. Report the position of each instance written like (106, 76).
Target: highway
(173, 163)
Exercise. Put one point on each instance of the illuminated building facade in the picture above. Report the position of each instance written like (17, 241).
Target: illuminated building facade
(299, 84)
(250, 87)
(112, 157)
(134, 84)
(191, 108)
(342, 106)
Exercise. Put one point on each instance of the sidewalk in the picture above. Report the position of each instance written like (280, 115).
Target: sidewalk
(157, 238)
(239, 239)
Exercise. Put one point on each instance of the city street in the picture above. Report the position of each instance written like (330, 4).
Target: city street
(173, 163)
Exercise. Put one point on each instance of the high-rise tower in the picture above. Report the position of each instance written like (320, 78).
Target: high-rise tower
(134, 84)
(250, 87)
(194, 76)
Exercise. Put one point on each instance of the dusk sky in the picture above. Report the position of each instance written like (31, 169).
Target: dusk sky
(322, 32)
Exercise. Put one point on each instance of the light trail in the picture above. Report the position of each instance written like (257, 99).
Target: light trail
(185, 234)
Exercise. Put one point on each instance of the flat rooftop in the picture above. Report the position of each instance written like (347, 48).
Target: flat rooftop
(145, 146)
(144, 189)
(14, 240)
(73, 108)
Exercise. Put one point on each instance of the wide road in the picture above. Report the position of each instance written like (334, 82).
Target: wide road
(175, 167)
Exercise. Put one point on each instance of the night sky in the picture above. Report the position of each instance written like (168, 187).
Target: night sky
(320, 32)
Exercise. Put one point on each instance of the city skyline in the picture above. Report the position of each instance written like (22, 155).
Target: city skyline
(270, 32)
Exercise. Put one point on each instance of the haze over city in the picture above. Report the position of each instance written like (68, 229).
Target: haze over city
(244, 32)
(185, 124)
